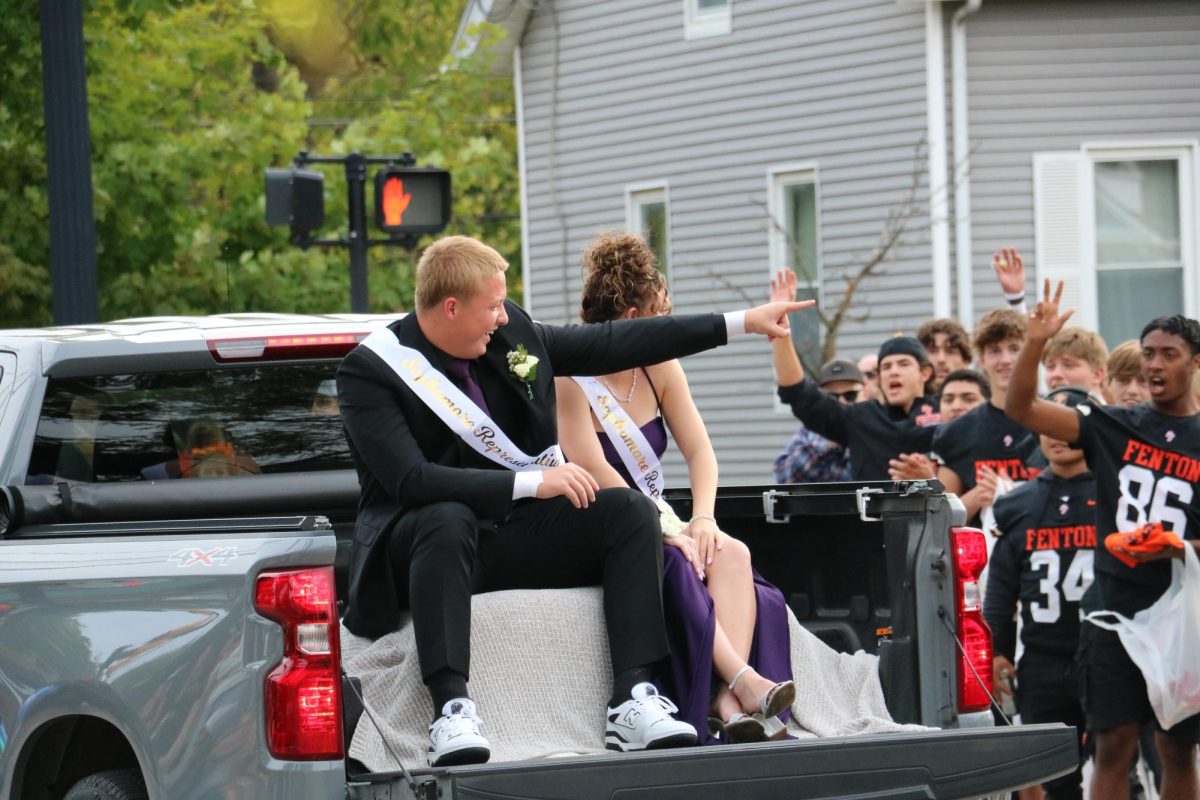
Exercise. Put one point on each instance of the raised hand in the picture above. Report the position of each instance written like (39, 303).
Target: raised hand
(783, 286)
(570, 481)
(1045, 320)
(1010, 270)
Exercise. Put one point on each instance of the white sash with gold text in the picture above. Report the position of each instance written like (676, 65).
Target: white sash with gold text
(631, 445)
(453, 407)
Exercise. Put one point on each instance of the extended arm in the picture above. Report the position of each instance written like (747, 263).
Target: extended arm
(623, 344)
(1022, 402)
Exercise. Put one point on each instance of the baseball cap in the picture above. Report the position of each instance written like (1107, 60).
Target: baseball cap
(839, 370)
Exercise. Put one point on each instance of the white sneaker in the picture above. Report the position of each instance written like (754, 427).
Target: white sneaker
(454, 737)
(644, 722)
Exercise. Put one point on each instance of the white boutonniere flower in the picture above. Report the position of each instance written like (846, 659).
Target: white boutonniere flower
(523, 367)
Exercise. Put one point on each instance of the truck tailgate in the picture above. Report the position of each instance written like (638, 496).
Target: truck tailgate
(935, 764)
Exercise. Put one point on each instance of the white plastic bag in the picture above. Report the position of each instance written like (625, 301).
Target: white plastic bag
(1164, 642)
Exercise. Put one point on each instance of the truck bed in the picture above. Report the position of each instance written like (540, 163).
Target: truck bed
(939, 764)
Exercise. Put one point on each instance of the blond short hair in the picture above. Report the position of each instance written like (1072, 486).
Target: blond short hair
(1125, 362)
(454, 267)
(1077, 342)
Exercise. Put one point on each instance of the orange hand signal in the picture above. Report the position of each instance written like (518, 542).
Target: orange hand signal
(395, 201)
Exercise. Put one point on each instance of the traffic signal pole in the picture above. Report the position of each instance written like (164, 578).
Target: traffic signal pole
(76, 297)
(358, 239)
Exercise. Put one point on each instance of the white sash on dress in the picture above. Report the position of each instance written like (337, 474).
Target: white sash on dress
(453, 407)
(631, 445)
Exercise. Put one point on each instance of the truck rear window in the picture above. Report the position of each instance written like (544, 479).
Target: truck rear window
(243, 421)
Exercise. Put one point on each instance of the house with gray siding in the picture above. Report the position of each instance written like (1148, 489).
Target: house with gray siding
(744, 135)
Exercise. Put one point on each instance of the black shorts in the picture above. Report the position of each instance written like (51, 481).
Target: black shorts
(1048, 689)
(1113, 690)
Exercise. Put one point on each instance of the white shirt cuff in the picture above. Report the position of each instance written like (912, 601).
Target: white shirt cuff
(735, 323)
(526, 484)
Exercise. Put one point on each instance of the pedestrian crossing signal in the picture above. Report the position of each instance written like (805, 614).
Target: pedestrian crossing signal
(411, 200)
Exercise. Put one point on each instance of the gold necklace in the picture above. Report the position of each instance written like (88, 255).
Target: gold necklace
(629, 397)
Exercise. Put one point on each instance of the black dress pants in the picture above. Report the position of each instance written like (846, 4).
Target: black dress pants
(444, 555)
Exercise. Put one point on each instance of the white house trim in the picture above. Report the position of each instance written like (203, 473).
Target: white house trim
(939, 208)
(522, 179)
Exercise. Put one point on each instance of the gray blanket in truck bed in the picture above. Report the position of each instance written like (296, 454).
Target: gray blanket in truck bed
(540, 678)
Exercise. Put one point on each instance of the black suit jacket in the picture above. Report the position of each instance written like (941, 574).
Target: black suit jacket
(407, 457)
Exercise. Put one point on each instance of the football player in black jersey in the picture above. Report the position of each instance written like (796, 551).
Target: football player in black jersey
(1146, 461)
(1044, 559)
(984, 444)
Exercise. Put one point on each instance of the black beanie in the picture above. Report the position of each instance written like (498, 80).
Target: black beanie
(903, 345)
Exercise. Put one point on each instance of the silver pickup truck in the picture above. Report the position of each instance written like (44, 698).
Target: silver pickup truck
(168, 637)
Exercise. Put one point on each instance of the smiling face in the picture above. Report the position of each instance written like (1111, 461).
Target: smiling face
(473, 320)
(1168, 367)
(997, 361)
(902, 379)
(959, 397)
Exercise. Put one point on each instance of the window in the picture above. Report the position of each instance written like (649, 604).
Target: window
(1139, 253)
(648, 213)
(795, 241)
(227, 422)
(1117, 224)
(707, 18)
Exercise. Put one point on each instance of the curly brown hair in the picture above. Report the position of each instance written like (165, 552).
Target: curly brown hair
(999, 325)
(620, 272)
(956, 336)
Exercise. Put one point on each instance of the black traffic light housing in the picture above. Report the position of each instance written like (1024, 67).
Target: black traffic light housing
(296, 197)
(411, 200)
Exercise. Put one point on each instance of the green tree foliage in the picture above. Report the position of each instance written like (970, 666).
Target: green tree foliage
(190, 101)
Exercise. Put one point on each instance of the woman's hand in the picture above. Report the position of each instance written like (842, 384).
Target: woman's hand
(707, 536)
(690, 552)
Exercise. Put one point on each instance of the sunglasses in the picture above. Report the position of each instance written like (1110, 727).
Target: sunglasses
(850, 395)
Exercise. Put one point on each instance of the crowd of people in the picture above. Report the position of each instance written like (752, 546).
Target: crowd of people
(1047, 479)
(480, 435)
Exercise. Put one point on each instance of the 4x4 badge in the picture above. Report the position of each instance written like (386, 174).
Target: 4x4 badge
(194, 556)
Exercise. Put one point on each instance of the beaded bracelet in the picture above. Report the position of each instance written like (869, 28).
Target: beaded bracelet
(708, 517)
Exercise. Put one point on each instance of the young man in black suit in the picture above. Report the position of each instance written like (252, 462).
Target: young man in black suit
(442, 410)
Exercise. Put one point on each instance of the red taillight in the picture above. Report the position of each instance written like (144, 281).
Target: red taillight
(303, 693)
(975, 665)
(264, 348)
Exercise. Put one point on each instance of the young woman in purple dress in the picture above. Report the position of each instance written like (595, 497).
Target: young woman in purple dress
(729, 664)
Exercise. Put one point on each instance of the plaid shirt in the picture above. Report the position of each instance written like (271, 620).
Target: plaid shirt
(811, 458)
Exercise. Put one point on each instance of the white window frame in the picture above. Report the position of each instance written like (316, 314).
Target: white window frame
(699, 23)
(1185, 153)
(644, 193)
(779, 177)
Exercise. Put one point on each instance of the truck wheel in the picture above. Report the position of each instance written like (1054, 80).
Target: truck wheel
(115, 784)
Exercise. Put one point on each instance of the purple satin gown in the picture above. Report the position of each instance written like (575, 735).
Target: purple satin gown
(687, 677)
